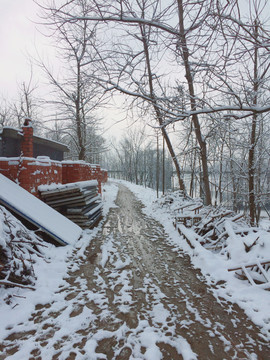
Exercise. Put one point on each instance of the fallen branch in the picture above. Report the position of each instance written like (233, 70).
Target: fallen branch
(10, 283)
(250, 265)
(249, 247)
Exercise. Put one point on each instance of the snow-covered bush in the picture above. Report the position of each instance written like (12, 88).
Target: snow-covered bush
(19, 247)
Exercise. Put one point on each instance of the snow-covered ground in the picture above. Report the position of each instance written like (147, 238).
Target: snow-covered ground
(49, 270)
(52, 269)
(254, 300)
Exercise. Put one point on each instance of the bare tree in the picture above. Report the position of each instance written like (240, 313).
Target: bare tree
(145, 37)
(136, 158)
(27, 104)
(76, 98)
(129, 71)
(13, 112)
(5, 114)
(204, 42)
(251, 91)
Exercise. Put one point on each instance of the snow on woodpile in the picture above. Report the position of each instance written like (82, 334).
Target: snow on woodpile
(19, 249)
(229, 235)
(226, 234)
(219, 240)
(80, 202)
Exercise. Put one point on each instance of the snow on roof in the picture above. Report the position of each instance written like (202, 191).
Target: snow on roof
(9, 127)
(38, 213)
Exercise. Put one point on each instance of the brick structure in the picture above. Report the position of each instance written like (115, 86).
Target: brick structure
(74, 171)
(30, 172)
(27, 139)
(13, 141)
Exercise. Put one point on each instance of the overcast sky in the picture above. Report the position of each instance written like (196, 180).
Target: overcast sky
(18, 36)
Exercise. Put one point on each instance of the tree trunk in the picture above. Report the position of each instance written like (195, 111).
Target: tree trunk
(195, 119)
(251, 153)
(81, 145)
(158, 113)
(157, 169)
(163, 166)
(251, 172)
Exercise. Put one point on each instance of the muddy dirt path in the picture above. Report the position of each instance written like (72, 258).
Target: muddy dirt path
(137, 297)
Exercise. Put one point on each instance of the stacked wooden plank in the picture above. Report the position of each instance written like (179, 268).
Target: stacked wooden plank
(79, 202)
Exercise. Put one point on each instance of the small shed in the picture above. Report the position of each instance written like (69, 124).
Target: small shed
(11, 145)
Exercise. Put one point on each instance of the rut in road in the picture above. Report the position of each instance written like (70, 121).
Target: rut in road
(138, 297)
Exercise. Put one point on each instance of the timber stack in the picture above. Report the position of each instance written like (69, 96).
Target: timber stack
(80, 202)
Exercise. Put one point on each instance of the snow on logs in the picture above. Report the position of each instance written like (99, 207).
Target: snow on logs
(79, 202)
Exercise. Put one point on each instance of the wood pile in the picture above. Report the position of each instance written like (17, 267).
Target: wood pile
(227, 234)
(257, 273)
(214, 229)
(79, 202)
(19, 249)
(209, 225)
(188, 214)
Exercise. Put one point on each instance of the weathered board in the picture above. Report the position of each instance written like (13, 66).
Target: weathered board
(80, 202)
(21, 202)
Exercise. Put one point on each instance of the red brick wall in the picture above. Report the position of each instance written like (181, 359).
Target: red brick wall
(9, 168)
(73, 171)
(30, 172)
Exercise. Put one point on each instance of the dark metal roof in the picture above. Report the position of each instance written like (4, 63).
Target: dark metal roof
(17, 134)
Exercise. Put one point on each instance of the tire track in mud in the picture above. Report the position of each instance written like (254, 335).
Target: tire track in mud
(135, 297)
